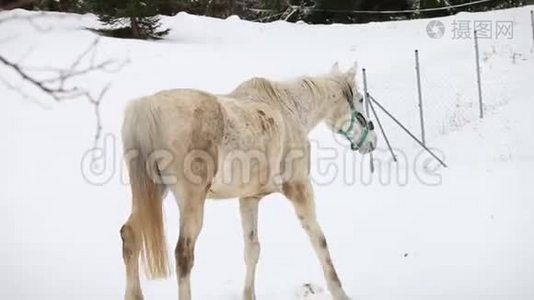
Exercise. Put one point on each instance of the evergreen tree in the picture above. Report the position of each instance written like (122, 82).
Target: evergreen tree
(60, 5)
(141, 15)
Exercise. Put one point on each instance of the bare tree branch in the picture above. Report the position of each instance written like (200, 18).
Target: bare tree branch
(25, 96)
(96, 103)
(57, 93)
(57, 86)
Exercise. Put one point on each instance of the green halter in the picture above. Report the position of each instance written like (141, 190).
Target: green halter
(355, 145)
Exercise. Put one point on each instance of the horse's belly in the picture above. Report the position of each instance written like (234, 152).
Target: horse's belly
(220, 190)
(243, 174)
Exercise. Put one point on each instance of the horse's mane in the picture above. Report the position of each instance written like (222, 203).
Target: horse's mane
(294, 94)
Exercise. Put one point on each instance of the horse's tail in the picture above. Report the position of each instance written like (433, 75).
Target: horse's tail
(139, 131)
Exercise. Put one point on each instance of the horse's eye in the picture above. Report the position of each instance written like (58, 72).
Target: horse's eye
(361, 99)
(361, 119)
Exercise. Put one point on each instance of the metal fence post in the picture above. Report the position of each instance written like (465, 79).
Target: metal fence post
(478, 77)
(366, 99)
(532, 23)
(419, 94)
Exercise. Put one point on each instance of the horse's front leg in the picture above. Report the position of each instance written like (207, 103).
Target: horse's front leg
(249, 218)
(300, 193)
(191, 203)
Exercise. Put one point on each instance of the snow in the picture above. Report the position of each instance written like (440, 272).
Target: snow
(465, 232)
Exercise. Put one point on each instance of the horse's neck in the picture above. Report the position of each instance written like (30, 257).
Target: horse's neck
(300, 101)
(307, 105)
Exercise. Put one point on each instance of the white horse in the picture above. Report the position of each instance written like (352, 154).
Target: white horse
(191, 141)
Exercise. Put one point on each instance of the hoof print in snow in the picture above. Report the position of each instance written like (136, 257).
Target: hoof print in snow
(309, 291)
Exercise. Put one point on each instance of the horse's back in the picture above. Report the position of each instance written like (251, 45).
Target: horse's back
(188, 115)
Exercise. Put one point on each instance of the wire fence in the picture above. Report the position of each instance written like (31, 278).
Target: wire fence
(440, 101)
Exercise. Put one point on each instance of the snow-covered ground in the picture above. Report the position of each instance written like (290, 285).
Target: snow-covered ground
(465, 232)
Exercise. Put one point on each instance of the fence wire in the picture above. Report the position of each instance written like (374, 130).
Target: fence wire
(449, 91)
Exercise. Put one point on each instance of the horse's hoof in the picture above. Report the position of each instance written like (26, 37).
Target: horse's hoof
(133, 296)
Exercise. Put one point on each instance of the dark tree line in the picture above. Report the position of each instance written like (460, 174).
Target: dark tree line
(139, 18)
(343, 11)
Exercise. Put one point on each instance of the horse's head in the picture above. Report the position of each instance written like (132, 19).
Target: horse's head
(347, 116)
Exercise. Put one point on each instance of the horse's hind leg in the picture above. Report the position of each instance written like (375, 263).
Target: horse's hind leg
(130, 253)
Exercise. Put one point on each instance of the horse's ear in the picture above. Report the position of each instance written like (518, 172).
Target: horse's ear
(353, 70)
(335, 68)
